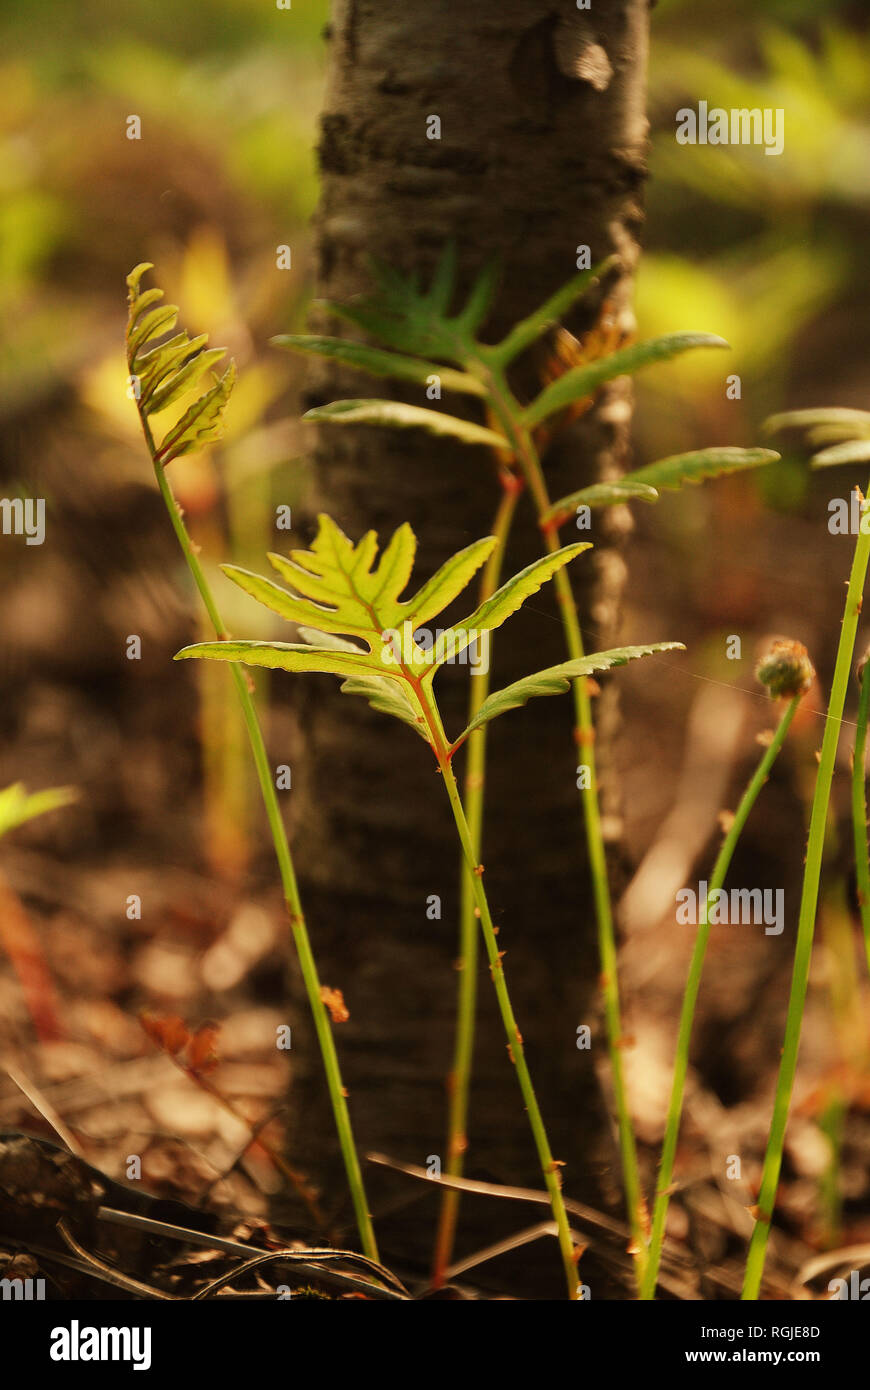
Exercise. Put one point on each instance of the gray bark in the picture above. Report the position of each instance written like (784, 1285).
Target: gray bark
(542, 149)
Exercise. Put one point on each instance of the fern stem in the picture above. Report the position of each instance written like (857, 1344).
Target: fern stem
(508, 411)
(806, 920)
(290, 886)
(459, 1079)
(859, 809)
(693, 984)
(515, 1046)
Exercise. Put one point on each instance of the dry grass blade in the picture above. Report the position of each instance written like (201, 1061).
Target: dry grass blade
(107, 1273)
(848, 1257)
(45, 1109)
(504, 1247)
(514, 1194)
(307, 1261)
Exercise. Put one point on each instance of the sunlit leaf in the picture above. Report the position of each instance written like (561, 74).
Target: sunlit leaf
(852, 451)
(397, 415)
(699, 465)
(184, 380)
(506, 600)
(856, 422)
(449, 581)
(152, 325)
(846, 431)
(555, 680)
(281, 656)
(295, 610)
(134, 278)
(581, 382)
(156, 368)
(377, 362)
(643, 483)
(600, 495)
(337, 590)
(166, 371)
(142, 301)
(201, 423)
(336, 587)
(18, 806)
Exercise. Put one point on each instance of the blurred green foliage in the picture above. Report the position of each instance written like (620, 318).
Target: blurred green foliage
(767, 250)
(763, 250)
(228, 99)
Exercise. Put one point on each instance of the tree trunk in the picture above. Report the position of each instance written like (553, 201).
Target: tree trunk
(542, 150)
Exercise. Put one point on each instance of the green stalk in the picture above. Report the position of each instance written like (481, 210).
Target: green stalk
(508, 411)
(806, 920)
(693, 984)
(516, 1050)
(285, 864)
(859, 809)
(459, 1079)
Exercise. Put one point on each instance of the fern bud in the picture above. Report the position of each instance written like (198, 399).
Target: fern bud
(785, 669)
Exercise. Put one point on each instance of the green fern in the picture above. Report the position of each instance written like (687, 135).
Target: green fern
(162, 373)
(844, 432)
(344, 595)
(670, 473)
(337, 593)
(164, 370)
(412, 333)
(425, 340)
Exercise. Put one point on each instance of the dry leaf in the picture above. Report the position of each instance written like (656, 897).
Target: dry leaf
(334, 1001)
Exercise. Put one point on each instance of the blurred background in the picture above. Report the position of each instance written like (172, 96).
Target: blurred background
(769, 252)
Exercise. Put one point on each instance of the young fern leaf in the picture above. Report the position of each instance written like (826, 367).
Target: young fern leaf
(417, 325)
(670, 473)
(555, 680)
(699, 465)
(401, 316)
(397, 415)
(162, 372)
(341, 592)
(512, 595)
(581, 382)
(846, 433)
(607, 494)
(448, 582)
(850, 451)
(377, 362)
(826, 422)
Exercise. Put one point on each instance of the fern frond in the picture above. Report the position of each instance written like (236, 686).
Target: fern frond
(164, 370)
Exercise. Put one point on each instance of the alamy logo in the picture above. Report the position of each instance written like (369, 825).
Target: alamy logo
(746, 906)
(23, 516)
(76, 1343)
(447, 644)
(26, 1290)
(853, 1287)
(740, 126)
(849, 517)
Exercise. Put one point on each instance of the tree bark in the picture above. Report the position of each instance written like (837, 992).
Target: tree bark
(542, 148)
